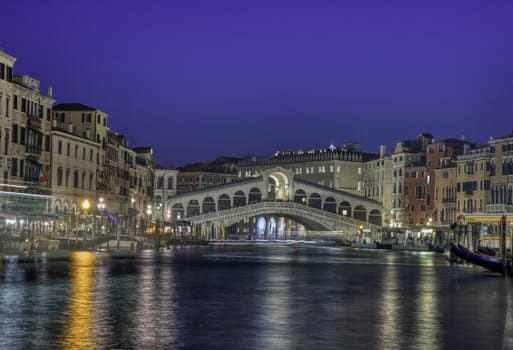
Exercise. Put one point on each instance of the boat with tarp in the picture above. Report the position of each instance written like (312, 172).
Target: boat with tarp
(489, 262)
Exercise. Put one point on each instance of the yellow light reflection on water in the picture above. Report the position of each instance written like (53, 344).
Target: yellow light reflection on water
(78, 328)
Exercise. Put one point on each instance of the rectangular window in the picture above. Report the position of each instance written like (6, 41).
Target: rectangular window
(59, 177)
(22, 166)
(14, 133)
(23, 132)
(67, 177)
(75, 179)
(59, 146)
(15, 102)
(47, 143)
(14, 167)
(68, 149)
(24, 105)
(2, 71)
(7, 107)
(160, 182)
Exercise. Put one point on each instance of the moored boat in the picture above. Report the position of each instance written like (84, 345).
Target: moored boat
(488, 262)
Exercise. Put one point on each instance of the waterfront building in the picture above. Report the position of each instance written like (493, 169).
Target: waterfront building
(143, 191)
(165, 190)
(378, 183)
(119, 171)
(439, 155)
(405, 154)
(121, 192)
(444, 200)
(473, 180)
(25, 124)
(501, 174)
(415, 193)
(192, 177)
(73, 178)
(339, 168)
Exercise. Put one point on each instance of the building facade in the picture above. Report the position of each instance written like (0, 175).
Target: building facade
(25, 128)
(340, 168)
(501, 174)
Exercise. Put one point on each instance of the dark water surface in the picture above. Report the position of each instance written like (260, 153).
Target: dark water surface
(271, 297)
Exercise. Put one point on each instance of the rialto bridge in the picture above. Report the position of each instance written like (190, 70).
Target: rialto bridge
(274, 205)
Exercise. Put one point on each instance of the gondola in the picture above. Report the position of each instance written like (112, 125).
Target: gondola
(488, 262)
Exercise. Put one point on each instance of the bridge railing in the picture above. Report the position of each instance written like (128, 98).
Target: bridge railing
(262, 208)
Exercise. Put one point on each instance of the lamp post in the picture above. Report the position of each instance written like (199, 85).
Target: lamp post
(149, 211)
(101, 209)
(168, 219)
(85, 206)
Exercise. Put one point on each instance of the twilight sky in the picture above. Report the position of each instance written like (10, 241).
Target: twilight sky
(197, 79)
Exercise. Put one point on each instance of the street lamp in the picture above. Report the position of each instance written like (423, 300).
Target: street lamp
(85, 206)
(101, 209)
(149, 211)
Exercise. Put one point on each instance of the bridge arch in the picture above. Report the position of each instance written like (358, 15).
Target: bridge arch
(345, 209)
(315, 201)
(255, 195)
(300, 196)
(177, 211)
(278, 184)
(375, 217)
(193, 208)
(208, 205)
(223, 203)
(239, 199)
(360, 213)
(251, 192)
(330, 204)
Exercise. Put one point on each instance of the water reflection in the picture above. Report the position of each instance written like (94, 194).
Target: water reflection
(155, 311)
(389, 306)
(428, 323)
(274, 317)
(80, 313)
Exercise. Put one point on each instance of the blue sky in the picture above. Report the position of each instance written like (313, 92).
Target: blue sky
(199, 79)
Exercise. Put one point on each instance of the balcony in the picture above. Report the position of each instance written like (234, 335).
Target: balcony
(499, 208)
(449, 200)
(34, 149)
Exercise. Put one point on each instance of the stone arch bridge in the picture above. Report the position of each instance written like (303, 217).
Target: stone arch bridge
(276, 192)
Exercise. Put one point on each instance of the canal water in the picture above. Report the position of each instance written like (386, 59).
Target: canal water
(261, 297)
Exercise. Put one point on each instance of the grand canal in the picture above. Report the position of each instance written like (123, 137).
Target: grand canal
(265, 297)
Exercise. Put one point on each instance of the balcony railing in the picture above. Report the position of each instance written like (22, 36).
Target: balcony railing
(34, 149)
(499, 208)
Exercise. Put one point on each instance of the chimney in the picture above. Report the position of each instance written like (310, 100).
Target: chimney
(382, 151)
(50, 91)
